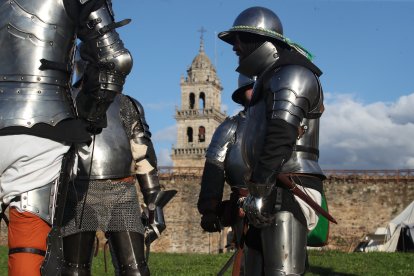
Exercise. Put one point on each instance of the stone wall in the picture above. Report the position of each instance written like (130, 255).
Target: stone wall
(183, 233)
(359, 206)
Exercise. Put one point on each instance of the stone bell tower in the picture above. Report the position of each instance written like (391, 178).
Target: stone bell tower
(200, 111)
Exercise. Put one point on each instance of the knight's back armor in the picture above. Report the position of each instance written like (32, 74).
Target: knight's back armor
(298, 100)
(111, 156)
(226, 147)
(32, 91)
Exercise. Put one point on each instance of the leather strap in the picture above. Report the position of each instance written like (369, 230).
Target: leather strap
(3, 214)
(306, 149)
(123, 180)
(27, 250)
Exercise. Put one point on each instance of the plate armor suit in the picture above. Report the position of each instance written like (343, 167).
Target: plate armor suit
(105, 196)
(38, 38)
(281, 137)
(225, 163)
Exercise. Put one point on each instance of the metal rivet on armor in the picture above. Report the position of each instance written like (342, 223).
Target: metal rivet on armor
(39, 92)
(52, 121)
(51, 43)
(29, 123)
(24, 206)
(55, 27)
(8, 26)
(18, 91)
(4, 78)
(30, 36)
(37, 211)
(39, 78)
(24, 197)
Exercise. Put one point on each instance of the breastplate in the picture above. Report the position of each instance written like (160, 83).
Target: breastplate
(31, 30)
(304, 158)
(112, 157)
(235, 167)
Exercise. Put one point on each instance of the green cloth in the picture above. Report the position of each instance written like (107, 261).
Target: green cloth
(319, 235)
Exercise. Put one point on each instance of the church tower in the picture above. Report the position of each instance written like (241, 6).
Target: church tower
(200, 113)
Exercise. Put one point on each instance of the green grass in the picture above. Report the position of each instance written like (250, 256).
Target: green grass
(321, 263)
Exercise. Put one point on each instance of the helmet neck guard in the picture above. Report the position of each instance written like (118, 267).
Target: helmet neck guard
(259, 60)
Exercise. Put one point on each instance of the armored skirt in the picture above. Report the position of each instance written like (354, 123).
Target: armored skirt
(107, 205)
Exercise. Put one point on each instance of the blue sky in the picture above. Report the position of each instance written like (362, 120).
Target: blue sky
(364, 48)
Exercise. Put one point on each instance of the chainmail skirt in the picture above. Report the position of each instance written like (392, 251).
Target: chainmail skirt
(107, 205)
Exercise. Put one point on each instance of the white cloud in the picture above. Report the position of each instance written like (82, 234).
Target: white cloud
(160, 106)
(354, 135)
(168, 134)
(164, 157)
(403, 110)
(162, 141)
(224, 108)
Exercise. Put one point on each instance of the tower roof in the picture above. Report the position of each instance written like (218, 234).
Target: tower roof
(202, 69)
(202, 60)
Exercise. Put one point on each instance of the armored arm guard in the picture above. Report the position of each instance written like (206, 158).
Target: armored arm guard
(145, 168)
(109, 62)
(296, 94)
(213, 178)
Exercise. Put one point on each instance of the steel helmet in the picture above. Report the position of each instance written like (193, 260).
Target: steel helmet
(244, 83)
(255, 20)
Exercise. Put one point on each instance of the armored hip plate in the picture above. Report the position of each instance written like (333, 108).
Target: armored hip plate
(29, 104)
(112, 157)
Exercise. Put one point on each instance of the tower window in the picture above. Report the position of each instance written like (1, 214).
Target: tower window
(201, 134)
(190, 134)
(202, 100)
(192, 100)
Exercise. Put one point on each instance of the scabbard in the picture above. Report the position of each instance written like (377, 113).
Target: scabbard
(285, 181)
(228, 263)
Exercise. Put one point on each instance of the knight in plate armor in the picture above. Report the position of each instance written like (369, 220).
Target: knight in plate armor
(224, 163)
(281, 137)
(104, 195)
(39, 122)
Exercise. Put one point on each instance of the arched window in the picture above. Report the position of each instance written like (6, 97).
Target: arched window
(202, 100)
(192, 100)
(190, 134)
(201, 134)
